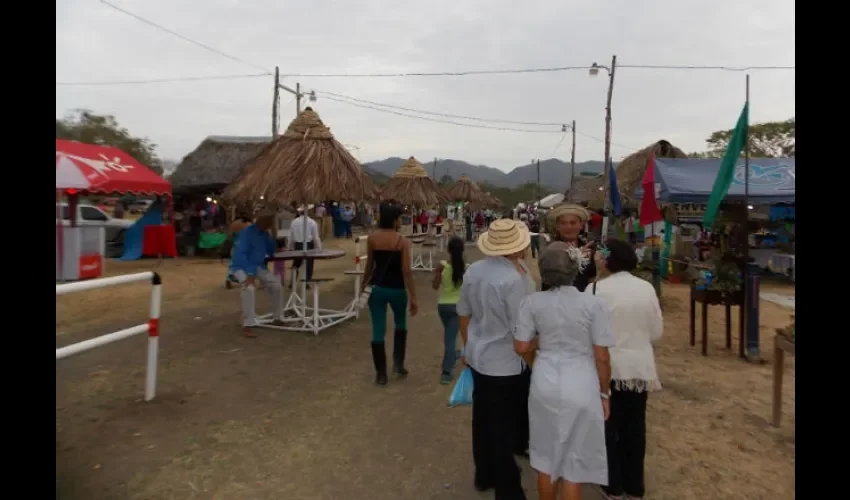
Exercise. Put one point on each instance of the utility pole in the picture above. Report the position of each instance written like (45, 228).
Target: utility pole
(276, 103)
(606, 203)
(573, 155)
(298, 95)
(434, 170)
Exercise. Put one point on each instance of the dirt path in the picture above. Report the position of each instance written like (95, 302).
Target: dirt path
(292, 416)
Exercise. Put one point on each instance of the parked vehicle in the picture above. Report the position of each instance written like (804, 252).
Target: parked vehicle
(90, 215)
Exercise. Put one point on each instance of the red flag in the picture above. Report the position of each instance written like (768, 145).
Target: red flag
(649, 211)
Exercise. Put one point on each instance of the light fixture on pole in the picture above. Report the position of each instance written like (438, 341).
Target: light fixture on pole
(593, 71)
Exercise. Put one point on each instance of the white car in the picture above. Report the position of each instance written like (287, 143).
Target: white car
(90, 215)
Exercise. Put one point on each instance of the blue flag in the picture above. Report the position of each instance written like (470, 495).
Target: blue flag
(615, 193)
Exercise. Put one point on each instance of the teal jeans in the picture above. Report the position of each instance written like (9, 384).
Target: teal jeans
(396, 298)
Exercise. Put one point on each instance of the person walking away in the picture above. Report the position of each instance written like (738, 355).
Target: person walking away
(347, 216)
(438, 224)
(637, 323)
(566, 222)
(249, 265)
(468, 222)
(336, 214)
(488, 217)
(301, 240)
(569, 333)
(320, 212)
(492, 290)
(423, 221)
(534, 227)
(448, 277)
(388, 272)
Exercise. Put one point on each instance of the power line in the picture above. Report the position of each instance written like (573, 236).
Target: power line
(434, 113)
(554, 69)
(597, 139)
(160, 80)
(185, 38)
(437, 120)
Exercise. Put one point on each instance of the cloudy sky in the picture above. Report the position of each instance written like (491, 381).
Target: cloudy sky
(95, 43)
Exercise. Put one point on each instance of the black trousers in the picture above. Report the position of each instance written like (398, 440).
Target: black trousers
(499, 430)
(625, 440)
(296, 263)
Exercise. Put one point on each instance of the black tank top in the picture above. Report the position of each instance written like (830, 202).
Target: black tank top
(387, 271)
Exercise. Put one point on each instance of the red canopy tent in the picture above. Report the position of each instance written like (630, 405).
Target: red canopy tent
(93, 169)
(103, 169)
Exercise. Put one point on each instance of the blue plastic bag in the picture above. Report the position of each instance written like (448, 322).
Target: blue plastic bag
(462, 392)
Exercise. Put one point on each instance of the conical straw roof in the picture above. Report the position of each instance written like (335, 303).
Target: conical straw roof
(464, 190)
(304, 165)
(411, 185)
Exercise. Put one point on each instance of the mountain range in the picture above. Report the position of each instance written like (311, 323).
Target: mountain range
(554, 173)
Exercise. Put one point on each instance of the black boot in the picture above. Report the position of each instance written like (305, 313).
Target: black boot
(399, 349)
(379, 357)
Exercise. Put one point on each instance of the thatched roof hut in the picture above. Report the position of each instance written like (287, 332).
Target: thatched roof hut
(215, 163)
(411, 185)
(630, 172)
(304, 165)
(464, 189)
(586, 189)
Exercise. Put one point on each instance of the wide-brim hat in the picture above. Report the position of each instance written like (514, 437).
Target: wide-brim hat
(504, 237)
(568, 209)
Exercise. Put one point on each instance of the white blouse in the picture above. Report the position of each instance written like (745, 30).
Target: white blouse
(637, 323)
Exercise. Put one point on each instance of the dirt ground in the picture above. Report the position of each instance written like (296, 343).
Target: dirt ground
(293, 416)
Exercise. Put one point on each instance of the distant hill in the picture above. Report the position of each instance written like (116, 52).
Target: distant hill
(554, 173)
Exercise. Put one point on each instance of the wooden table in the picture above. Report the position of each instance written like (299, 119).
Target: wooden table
(711, 298)
(781, 345)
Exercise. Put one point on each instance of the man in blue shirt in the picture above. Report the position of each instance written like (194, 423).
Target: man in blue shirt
(347, 216)
(248, 265)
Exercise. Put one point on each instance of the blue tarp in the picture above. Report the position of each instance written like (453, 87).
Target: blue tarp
(690, 181)
(135, 233)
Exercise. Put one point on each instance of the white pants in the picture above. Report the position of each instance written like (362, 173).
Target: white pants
(273, 286)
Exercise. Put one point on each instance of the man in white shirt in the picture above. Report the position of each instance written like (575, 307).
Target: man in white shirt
(299, 239)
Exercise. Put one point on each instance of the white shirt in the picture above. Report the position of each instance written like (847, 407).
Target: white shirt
(297, 235)
(637, 323)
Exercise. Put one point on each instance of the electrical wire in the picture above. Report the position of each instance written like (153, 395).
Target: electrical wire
(161, 80)
(434, 113)
(437, 120)
(554, 69)
(185, 38)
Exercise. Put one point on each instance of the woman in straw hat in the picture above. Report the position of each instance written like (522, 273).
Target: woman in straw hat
(566, 223)
(570, 332)
(490, 295)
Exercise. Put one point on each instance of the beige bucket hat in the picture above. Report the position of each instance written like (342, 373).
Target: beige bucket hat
(504, 237)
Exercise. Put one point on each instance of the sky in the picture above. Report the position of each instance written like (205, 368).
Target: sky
(96, 43)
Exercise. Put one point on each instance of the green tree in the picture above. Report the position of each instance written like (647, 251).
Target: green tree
(84, 126)
(767, 140)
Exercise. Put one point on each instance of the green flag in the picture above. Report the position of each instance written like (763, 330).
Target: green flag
(727, 167)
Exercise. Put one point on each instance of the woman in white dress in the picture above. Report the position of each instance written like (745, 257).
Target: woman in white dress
(568, 402)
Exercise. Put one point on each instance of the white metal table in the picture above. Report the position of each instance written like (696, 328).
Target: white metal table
(298, 315)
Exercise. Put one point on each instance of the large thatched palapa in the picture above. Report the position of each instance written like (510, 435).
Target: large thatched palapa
(411, 185)
(215, 163)
(304, 165)
(630, 173)
(465, 190)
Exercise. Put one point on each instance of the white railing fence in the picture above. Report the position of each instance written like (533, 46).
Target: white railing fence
(151, 327)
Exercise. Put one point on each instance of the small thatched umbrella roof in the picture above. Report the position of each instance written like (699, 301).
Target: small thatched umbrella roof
(411, 185)
(304, 165)
(215, 163)
(464, 190)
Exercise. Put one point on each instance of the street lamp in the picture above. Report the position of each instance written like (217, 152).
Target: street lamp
(593, 71)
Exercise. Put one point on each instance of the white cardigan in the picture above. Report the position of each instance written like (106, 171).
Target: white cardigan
(637, 323)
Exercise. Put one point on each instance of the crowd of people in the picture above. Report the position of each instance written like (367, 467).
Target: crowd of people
(561, 375)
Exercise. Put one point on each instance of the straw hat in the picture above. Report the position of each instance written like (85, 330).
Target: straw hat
(504, 237)
(568, 209)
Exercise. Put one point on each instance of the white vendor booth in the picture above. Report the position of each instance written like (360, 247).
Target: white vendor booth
(80, 253)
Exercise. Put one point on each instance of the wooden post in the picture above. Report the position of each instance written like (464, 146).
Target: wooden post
(276, 103)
